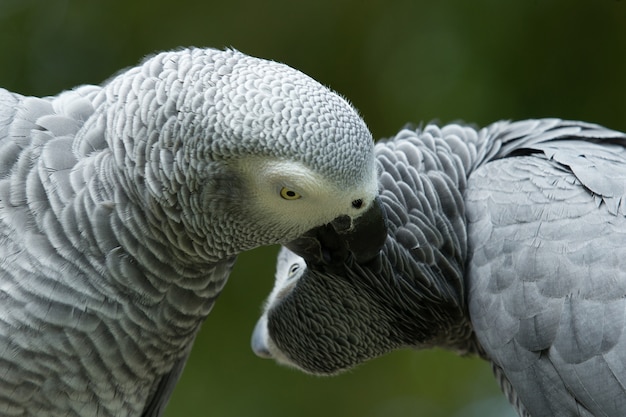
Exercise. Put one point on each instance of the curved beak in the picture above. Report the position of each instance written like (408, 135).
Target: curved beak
(259, 339)
(331, 244)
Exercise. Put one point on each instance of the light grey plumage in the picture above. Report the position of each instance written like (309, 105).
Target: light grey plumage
(123, 207)
(508, 242)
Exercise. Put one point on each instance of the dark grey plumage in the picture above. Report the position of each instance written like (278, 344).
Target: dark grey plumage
(508, 242)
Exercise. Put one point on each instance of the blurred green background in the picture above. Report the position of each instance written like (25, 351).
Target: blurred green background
(398, 62)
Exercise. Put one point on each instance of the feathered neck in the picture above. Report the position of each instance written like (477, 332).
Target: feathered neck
(423, 176)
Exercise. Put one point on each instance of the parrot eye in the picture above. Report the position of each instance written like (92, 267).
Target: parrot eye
(357, 204)
(288, 194)
(292, 270)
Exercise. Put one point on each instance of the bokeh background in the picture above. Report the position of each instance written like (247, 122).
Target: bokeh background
(398, 61)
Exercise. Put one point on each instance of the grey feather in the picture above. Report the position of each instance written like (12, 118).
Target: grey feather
(508, 242)
(123, 207)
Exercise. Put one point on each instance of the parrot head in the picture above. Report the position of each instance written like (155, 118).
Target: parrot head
(242, 152)
(335, 304)
(324, 322)
(324, 318)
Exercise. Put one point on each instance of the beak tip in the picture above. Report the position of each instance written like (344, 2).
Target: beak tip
(259, 340)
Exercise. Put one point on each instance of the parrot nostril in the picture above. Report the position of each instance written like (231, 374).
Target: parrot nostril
(357, 204)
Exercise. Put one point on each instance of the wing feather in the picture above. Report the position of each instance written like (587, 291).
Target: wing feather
(547, 284)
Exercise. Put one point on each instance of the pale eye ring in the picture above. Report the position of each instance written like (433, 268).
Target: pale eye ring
(288, 194)
(292, 270)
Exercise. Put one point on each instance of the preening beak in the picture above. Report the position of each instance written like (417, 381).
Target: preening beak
(331, 244)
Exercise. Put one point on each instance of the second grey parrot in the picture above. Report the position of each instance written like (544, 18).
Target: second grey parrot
(124, 206)
(507, 242)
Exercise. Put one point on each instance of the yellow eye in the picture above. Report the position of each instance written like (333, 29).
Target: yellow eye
(288, 194)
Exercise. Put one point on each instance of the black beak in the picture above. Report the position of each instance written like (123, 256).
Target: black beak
(332, 243)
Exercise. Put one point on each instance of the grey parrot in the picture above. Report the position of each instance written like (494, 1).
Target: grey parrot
(507, 242)
(123, 207)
